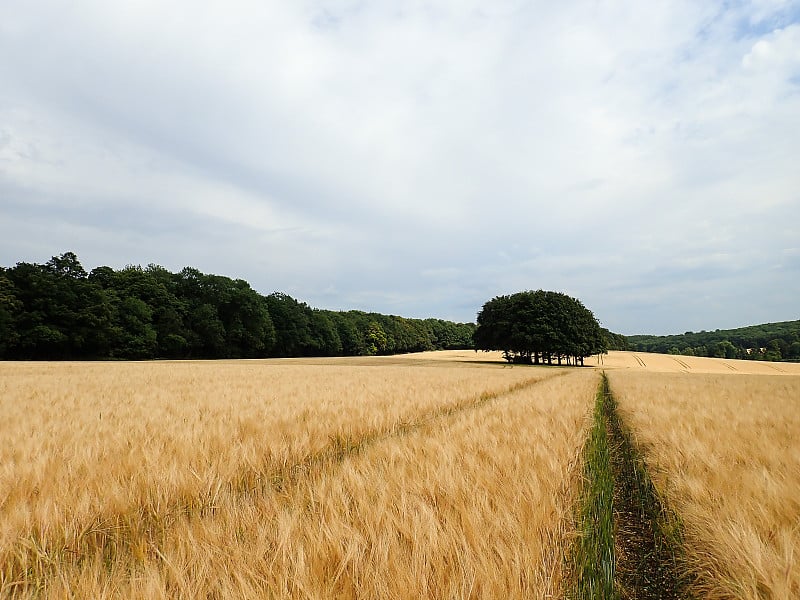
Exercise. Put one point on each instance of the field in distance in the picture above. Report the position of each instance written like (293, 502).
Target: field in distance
(668, 363)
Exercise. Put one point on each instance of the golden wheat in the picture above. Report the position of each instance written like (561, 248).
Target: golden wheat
(725, 453)
(667, 363)
(474, 505)
(189, 479)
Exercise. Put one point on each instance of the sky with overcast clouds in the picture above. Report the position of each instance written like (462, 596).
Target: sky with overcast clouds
(417, 158)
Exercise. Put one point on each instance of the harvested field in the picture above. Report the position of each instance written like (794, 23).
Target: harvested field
(404, 477)
(723, 449)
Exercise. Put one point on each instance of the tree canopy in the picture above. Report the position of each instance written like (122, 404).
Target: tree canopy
(57, 311)
(534, 327)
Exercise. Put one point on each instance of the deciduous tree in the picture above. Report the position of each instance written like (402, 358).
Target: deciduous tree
(540, 326)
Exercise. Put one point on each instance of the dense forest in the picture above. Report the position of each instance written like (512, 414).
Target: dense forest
(58, 311)
(771, 341)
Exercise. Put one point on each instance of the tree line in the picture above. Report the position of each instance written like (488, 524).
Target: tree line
(535, 327)
(58, 311)
(770, 341)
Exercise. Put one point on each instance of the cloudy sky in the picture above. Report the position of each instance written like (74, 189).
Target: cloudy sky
(417, 158)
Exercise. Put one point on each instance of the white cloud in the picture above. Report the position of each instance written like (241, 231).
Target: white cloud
(777, 52)
(361, 150)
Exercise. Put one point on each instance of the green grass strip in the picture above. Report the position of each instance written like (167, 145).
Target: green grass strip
(593, 560)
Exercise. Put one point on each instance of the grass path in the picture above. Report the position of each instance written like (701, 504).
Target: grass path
(629, 544)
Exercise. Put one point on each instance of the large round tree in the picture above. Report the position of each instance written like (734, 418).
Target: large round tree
(533, 327)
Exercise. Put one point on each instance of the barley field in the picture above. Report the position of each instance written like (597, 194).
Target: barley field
(393, 477)
(431, 475)
(667, 363)
(722, 442)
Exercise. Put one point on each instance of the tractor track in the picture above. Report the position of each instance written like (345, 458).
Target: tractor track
(682, 363)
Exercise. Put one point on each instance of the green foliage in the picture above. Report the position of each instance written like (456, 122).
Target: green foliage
(770, 341)
(324, 334)
(292, 326)
(137, 337)
(58, 311)
(594, 559)
(529, 326)
(9, 312)
(613, 341)
(446, 335)
(377, 341)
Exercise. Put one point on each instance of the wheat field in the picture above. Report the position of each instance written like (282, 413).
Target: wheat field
(397, 477)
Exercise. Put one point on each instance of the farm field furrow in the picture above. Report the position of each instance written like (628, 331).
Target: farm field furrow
(475, 504)
(723, 452)
(106, 457)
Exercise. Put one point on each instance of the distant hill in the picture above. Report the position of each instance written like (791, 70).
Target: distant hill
(770, 341)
